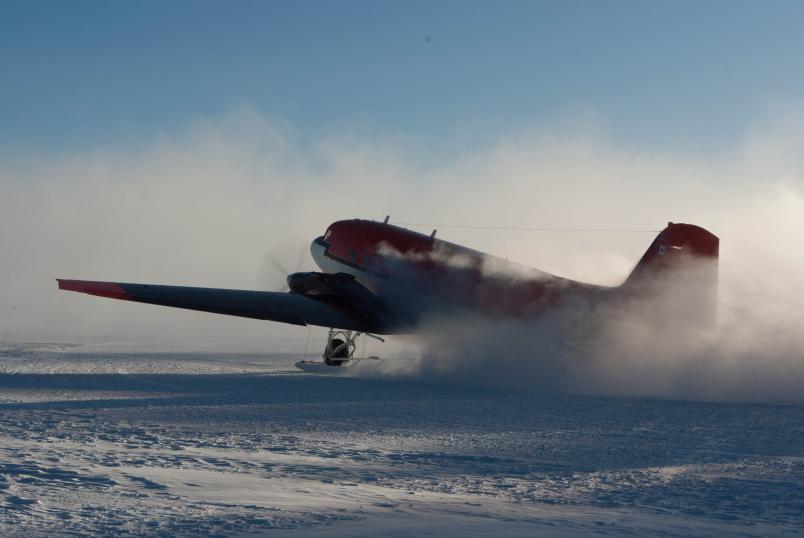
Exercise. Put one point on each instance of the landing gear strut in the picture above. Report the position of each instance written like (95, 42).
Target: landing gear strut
(341, 346)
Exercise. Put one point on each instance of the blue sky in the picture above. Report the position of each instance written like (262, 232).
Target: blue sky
(671, 75)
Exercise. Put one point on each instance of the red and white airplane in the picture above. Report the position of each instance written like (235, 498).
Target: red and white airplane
(377, 278)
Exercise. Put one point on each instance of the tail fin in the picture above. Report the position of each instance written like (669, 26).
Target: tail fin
(680, 268)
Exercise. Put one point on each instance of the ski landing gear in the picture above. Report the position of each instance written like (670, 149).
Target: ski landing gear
(339, 354)
(340, 347)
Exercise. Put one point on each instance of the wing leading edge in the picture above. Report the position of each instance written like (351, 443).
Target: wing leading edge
(290, 308)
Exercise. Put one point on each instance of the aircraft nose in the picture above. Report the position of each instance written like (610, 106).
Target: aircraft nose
(317, 249)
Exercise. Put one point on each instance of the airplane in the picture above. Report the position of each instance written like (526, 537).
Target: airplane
(377, 278)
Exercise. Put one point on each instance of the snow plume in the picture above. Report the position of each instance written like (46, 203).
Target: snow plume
(442, 254)
(447, 254)
(654, 347)
(202, 206)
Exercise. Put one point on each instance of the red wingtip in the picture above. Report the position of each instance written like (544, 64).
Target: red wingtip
(101, 289)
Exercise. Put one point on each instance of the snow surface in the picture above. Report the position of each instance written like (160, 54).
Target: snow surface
(159, 444)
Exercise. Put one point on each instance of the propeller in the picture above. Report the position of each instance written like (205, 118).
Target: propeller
(273, 270)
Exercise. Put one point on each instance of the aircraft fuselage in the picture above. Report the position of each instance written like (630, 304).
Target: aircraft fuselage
(419, 273)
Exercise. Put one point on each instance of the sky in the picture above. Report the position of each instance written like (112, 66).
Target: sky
(443, 75)
(181, 142)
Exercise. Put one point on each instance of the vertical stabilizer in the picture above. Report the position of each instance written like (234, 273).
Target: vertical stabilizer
(680, 271)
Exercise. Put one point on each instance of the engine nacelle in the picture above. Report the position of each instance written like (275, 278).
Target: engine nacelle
(338, 287)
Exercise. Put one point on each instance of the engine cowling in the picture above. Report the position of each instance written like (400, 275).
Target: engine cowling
(341, 288)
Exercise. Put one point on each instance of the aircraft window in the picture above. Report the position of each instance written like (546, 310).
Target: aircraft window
(327, 235)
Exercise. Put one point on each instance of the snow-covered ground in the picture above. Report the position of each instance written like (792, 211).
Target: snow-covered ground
(102, 443)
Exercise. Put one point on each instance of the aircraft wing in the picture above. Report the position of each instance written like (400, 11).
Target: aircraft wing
(291, 308)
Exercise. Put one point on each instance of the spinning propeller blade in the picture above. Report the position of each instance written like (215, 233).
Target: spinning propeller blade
(272, 270)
